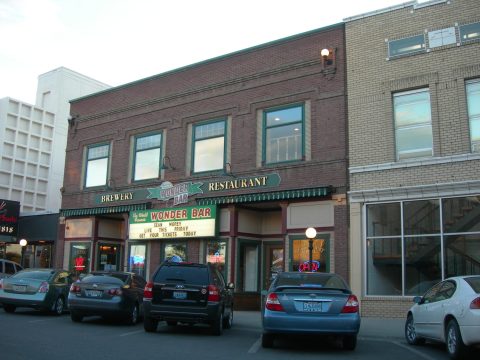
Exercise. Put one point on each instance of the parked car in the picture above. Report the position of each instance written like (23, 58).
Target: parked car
(8, 268)
(450, 313)
(190, 293)
(310, 303)
(107, 294)
(41, 289)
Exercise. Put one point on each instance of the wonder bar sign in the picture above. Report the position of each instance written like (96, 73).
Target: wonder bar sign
(187, 222)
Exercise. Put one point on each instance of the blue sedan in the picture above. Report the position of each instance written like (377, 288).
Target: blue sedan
(313, 304)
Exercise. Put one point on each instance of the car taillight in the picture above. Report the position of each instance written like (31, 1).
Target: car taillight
(475, 304)
(213, 293)
(74, 288)
(43, 287)
(351, 306)
(116, 291)
(1, 283)
(273, 303)
(148, 291)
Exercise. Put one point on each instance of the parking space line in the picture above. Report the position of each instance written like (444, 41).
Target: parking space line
(132, 332)
(255, 346)
(37, 321)
(409, 347)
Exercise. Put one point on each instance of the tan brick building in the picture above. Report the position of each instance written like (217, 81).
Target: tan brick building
(413, 85)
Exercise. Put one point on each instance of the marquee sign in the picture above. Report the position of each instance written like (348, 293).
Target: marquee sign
(171, 223)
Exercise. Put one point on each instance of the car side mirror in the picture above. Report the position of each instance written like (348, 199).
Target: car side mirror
(231, 286)
(418, 300)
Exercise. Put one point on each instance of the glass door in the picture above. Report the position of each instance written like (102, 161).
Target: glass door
(274, 263)
(137, 259)
(108, 257)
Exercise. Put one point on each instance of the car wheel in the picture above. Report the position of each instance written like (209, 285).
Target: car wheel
(228, 321)
(267, 340)
(410, 332)
(57, 308)
(217, 325)
(171, 323)
(9, 308)
(76, 317)
(132, 318)
(349, 342)
(150, 325)
(455, 346)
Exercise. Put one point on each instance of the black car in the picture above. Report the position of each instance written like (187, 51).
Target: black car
(114, 294)
(190, 293)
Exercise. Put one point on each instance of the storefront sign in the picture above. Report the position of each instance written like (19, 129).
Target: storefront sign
(168, 223)
(9, 212)
(180, 193)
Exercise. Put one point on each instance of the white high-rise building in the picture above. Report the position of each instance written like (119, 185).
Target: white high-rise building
(33, 140)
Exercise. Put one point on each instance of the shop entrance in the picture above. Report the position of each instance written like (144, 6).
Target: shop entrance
(274, 263)
(108, 257)
(248, 277)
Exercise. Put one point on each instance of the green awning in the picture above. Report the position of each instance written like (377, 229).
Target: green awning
(103, 210)
(268, 196)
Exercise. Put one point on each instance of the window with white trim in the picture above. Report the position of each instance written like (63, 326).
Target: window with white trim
(413, 124)
(148, 155)
(473, 104)
(209, 146)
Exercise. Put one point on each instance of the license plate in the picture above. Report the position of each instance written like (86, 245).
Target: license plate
(179, 295)
(20, 288)
(314, 306)
(93, 293)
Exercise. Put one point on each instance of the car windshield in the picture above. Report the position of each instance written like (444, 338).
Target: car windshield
(474, 282)
(195, 275)
(32, 274)
(330, 281)
(119, 279)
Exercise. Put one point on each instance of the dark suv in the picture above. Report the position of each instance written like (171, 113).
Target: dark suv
(182, 292)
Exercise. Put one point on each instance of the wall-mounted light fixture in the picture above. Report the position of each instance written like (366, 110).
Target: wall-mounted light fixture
(227, 170)
(328, 56)
(166, 164)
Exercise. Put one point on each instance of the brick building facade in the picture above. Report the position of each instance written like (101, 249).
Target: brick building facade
(256, 139)
(414, 132)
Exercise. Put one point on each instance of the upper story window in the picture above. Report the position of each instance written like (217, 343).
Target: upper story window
(209, 146)
(147, 158)
(410, 45)
(473, 104)
(469, 32)
(283, 134)
(97, 165)
(413, 124)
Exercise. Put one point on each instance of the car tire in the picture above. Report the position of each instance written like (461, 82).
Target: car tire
(228, 320)
(149, 324)
(171, 323)
(455, 346)
(58, 306)
(267, 340)
(9, 308)
(349, 342)
(133, 316)
(75, 317)
(410, 332)
(217, 325)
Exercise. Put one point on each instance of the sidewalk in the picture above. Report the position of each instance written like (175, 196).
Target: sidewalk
(371, 327)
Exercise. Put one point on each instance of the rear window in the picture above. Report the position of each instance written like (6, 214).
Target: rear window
(105, 279)
(194, 275)
(37, 275)
(331, 281)
(474, 282)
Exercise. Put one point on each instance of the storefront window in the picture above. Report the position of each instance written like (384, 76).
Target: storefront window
(216, 254)
(425, 231)
(108, 257)
(175, 251)
(80, 258)
(137, 259)
(301, 254)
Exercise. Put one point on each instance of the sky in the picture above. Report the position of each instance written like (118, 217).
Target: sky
(120, 41)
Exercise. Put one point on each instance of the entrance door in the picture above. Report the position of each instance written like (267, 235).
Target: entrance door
(108, 257)
(274, 263)
(250, 272)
